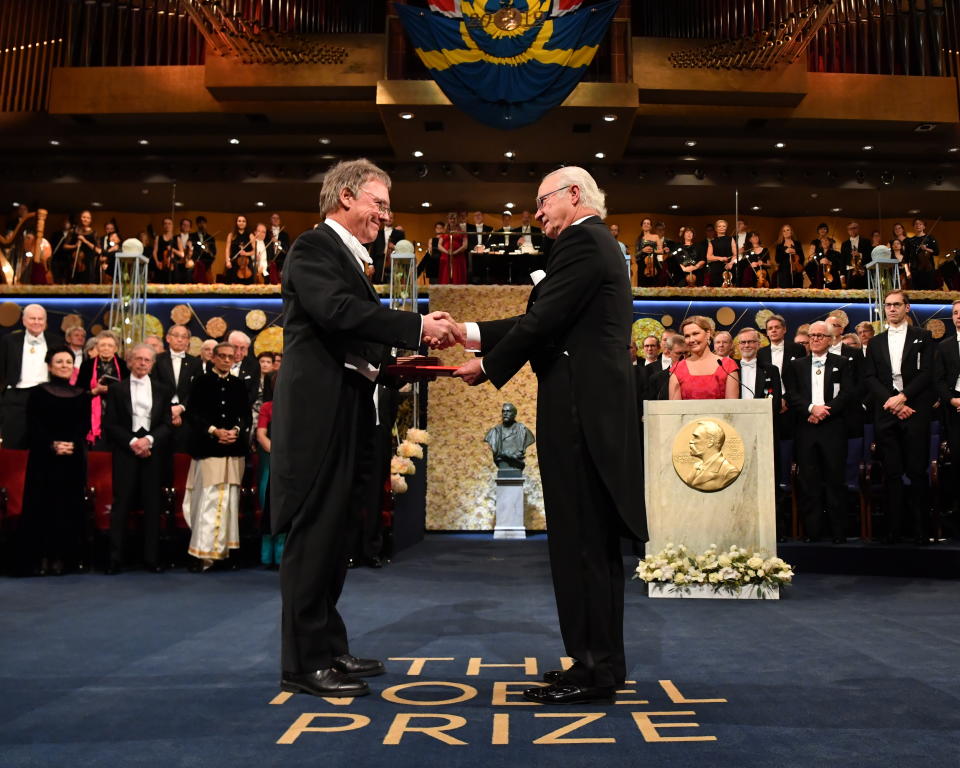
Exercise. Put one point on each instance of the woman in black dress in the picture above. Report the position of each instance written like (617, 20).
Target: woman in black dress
(58, 418)
(789, 260)
(81, 249)
(689, 260)
(162, 263)
(430, 263)
(721, 256)
(755, 266)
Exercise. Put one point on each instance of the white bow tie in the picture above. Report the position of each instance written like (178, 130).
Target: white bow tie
(901, 329)
(748, 363)
(178, 355)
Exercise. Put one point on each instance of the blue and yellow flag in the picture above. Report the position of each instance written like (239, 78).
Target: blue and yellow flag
(507, 62)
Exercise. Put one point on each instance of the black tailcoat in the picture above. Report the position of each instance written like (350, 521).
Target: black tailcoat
(323, 431)
(576, 336)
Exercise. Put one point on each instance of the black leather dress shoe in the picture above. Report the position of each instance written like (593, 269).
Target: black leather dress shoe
(556, 676)
(352, 563)
(567, 693)
(323, 682)
(351, 665)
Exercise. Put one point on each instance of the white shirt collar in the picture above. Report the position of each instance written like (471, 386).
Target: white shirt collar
(750, 363)
(582, 219)
(180, 355)
(349, 239)
(29, 336)
(776, 346)
(818, 357)
(139, 379)
(894, 329)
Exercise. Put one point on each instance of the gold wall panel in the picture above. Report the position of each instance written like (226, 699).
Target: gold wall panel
(461, 488)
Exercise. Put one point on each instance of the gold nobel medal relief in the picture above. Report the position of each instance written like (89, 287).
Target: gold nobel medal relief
(708, 454)
(507, 19)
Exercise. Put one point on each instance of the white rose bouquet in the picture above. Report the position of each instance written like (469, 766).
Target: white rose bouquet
(677, 569)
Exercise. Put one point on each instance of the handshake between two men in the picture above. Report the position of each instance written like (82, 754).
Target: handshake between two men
(441, 331)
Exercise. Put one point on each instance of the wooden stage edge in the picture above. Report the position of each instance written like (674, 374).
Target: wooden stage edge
(738, 294)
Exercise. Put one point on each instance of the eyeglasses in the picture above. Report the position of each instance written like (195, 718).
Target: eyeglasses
(893, 304)
(224, 355)
(382, 205)
(540, 200)
(818, 336)
(748, 341)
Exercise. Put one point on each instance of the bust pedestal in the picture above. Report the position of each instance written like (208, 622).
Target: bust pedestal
(509, 523)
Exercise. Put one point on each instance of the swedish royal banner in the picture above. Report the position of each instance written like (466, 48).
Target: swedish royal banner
(507, 62)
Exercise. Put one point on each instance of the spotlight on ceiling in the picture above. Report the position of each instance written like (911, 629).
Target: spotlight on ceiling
(234, 141)
(754, 207)
(417, 153)
(779, 145)
(422, 171)
(690, 143)
(509, 154)
(674, 207)
(599, 155)
(406, 115)
(609, 118)
(425, 204)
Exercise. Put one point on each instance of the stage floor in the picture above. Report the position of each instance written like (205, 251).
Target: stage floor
(181, 670)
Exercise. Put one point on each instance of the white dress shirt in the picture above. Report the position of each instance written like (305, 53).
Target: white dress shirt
(176, 360)
(836, 349)
(33, 366)
(896, 338)
(748, 378)
(956, 386)
(141, 403)
(818, 365)
(776, 355)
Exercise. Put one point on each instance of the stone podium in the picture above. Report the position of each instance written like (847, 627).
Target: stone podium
(709, 474)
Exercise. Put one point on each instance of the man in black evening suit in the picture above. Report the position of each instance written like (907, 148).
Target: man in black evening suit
(576, 336)
(22, 367)
(947, 381)
(176, 370)
(137, 426)
(336, 338)
(821, 389)
(381, 248)
(478, 234)
(898, 370)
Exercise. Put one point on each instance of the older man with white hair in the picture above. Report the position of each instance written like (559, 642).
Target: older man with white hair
(245, 366)
(576, 335)
(22, 367)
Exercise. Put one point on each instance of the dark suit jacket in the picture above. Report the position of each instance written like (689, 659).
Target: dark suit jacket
(472, 236)
(221, 403)
(190, 368)
(378, 252)
(11, 355)
(946, 370)
(329, 309)
(916, 367)
(791, 351)
(767, 384)
(863, 247)
(658, 385)
(250, 376)
(797, 381)
(583, 309)
(118, 423)
(208, 253)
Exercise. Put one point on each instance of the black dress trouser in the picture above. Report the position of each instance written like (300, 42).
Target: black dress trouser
(137, 484)
(314, 564)
(583, 537)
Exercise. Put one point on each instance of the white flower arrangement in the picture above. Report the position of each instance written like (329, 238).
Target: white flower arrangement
(678, 570)
(402, 464)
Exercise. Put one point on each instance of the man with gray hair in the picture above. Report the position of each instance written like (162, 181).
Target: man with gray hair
(337, 339)
(576, 333)
(22, 367)
(245, 366)
(138, 429)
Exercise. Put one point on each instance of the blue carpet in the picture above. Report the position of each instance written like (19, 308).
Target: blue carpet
(180, 669)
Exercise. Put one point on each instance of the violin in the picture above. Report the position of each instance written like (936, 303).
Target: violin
(80, 257)
(727, 278)
(243, 267)
(796, 262)
(827, 272)
(649, 259)
(856, 264)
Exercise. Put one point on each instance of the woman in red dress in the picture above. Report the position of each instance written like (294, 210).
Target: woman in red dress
(703, 375)
(453, 254)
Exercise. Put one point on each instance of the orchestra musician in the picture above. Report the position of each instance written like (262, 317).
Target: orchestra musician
(922, 250)
(277, 246)
(108, 246)
(82, 248)
(162, 263)
(182, 253)
(237, 239)
(649, 255)
(755, 266)
(790, 260)
(689, 259)
(722, 257)
(204, 247)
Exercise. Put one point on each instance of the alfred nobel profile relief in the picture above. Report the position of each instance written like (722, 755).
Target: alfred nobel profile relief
(699, 456)
(509, 440)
